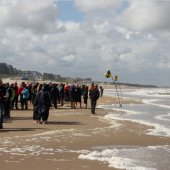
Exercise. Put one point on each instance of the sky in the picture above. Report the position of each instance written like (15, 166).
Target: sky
(85, 38)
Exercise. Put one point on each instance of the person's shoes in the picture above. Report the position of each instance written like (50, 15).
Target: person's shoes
(45, 122)
(39, 122)
(7, 117)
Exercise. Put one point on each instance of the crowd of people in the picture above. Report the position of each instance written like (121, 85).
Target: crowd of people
(42, 97)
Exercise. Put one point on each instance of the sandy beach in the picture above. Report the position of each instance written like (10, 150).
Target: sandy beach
(70, 133)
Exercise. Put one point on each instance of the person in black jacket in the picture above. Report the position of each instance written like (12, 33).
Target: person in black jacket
(94, 95)
(8, 95)
(43, 104)
(2, 102)
(54, 93)
(85, 95)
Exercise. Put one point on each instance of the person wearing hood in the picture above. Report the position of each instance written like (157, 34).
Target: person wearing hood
(43, 104)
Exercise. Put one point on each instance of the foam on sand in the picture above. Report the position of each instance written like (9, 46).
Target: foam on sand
(130, 158)
(156, 129)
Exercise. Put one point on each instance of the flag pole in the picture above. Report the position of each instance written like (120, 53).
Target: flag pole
(120, 93)
(116, 80)
(120, 104)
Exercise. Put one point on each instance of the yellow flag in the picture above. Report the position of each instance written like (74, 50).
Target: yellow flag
(116, 78)
(108, 74)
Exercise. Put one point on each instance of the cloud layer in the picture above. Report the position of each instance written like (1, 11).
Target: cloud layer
(131, 38)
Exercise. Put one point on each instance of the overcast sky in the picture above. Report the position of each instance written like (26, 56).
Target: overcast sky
(85, 38)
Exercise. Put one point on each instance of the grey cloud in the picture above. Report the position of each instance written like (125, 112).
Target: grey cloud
(146, 16)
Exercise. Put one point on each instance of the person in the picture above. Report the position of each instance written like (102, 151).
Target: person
(94, 95)
(66, 91)
(101, 91)
(85, 96)
(12, 96)
(2, 103)
(29, 86)
(8, 95)
(72, 96)
(25, 97)
(78, 95)
(91, 88)
(20, 89)
(54, 93)
(15, 102)
(35, 91)
(43, 103)
(61, 93)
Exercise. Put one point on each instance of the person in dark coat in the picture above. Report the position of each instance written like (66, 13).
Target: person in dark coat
(94, 95)
(61, 93)
(8, 95)
(73, 96)
(2, 102)
(85, 95)
(78, 95)
(54, 92)
(43, 104)
(36, 88)
(15, 102)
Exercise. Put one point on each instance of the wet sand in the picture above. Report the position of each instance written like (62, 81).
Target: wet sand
(70, 132)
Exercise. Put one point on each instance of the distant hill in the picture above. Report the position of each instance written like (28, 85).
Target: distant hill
(8, 71)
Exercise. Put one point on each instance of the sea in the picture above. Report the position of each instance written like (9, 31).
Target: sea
(154, 112)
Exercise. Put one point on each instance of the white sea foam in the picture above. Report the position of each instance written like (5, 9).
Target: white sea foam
(156, 129)
(129, 158)
(163, 117)
(120, 111)
(27, 150)
(152, 92)
(151, 102)
(54, 132)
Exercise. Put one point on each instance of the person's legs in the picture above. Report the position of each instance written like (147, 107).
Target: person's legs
(85, 102)
(45, 116)
(1, 115)
(22, 102)
(55, 103)
(93, 106)
(39, 115)
(7, 110)
(26, 104)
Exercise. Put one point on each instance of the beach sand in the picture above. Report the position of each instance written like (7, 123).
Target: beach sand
(56, 146)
